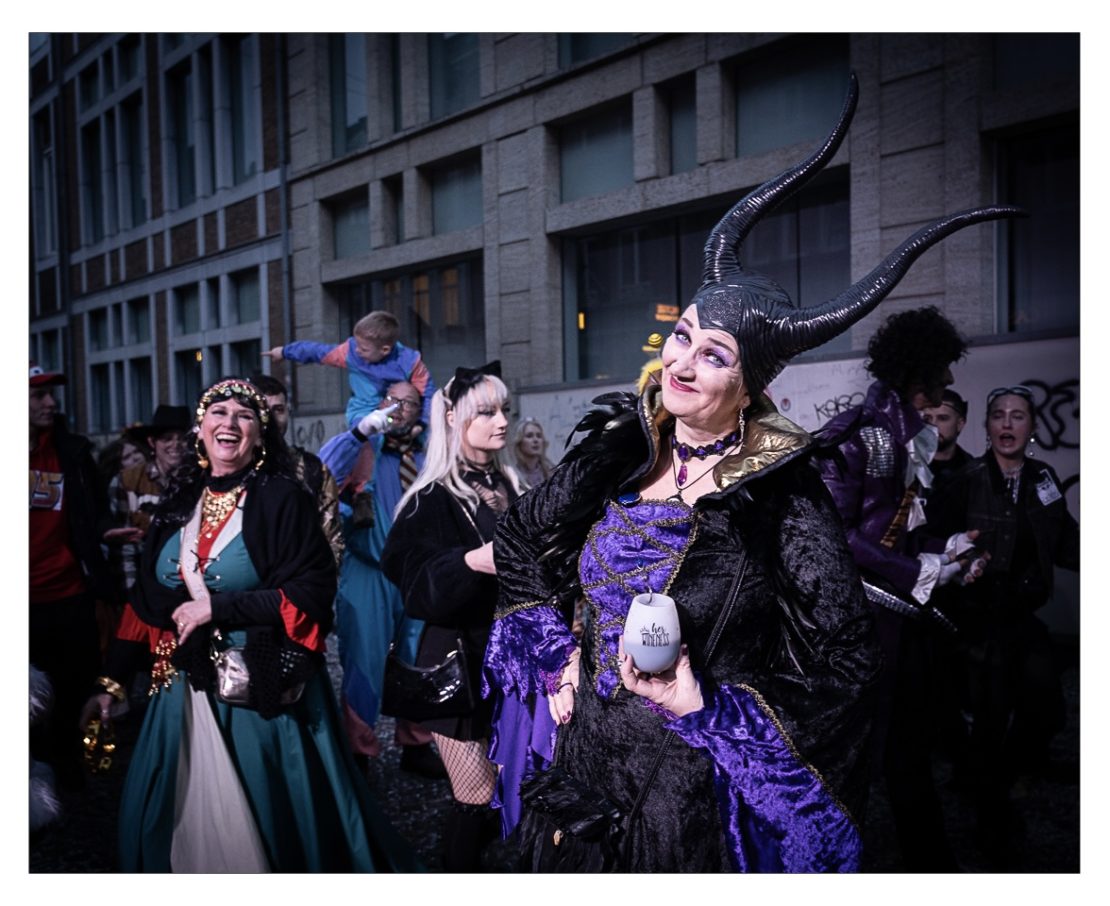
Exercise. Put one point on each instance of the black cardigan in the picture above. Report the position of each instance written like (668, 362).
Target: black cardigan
(424, 557)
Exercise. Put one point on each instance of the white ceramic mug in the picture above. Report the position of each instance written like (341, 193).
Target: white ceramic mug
(651, 632)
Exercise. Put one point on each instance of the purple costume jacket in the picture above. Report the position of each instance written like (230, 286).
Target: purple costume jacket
(868, 483)
(768, 775)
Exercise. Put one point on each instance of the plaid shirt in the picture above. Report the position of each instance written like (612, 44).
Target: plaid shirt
(132, 497)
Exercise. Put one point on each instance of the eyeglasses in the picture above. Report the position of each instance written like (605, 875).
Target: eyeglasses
(404, 404)
(1018, 390)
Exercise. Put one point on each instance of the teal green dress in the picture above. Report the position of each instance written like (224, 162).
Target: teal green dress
(312, 810)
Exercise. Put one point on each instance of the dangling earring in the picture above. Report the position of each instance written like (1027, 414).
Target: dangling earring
(1029, 451)
(741, 426)
(202, 454)
(261, 458)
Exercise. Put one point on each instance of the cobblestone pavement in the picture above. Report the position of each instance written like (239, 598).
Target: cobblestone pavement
(85, 839)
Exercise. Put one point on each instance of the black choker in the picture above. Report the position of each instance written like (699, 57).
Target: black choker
(717, 448)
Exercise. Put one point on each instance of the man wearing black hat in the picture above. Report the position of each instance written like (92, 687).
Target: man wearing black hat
(134, 492)
(67, 571)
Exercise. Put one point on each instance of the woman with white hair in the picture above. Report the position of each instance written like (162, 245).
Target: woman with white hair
(440, 554)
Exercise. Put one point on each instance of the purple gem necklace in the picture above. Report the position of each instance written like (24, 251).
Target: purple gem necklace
(717, 448)
(683, 452)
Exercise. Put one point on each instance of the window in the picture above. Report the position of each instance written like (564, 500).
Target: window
(117, 325)
(456, 195)
(179, 91)
(350, 222)
(245, 304)
(138, 321)
(394, 214)
(42, 183)
(188, 374)
(111, 187)
(132, 160)
(790, 92)
(98, 329)
(1039, 171)
(349, 94)
(92, 191)
(577, 48)
(595, 152)
(88, 87)
(245, 356)
(187, 309)
(622, 285)
(453, 81)
(100, 399)
(1022, 60)
(680, 96)
(141, 386)
(130, 58)
(244, 109)
(441, 310)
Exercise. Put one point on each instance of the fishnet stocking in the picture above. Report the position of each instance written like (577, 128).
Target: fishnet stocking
(472, 775)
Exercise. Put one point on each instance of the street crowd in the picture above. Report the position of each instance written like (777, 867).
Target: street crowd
(691, 645)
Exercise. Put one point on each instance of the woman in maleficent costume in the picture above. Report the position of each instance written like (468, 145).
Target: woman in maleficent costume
(699, 489)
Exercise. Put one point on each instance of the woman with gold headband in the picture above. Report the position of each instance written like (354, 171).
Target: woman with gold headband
(235, 562)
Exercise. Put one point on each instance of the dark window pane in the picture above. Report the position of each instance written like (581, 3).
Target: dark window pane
(623, 285)
(577, 48)
(350, 220)
(457, 195)
(452, 72)
(349, 94)
(790, 93)
(1022, 60)
(180, 97)
(1040, 173)
(187, 306)
(595, 152)
(681, 100)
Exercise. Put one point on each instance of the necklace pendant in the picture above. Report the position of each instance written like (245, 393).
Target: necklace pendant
(681, 479)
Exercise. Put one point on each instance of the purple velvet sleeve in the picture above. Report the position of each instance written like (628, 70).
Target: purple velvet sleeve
(527, 651)
(777, 813)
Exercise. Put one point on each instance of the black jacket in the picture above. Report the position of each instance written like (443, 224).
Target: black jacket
(423, 557)
(978, 498)
(86, 504)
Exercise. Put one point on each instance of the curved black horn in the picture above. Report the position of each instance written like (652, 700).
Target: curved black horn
(813, 326)
(722, 247)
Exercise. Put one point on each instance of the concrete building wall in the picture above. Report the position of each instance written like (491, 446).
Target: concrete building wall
(916, 151)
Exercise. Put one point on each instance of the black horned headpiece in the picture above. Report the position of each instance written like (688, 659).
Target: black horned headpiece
(769, 329)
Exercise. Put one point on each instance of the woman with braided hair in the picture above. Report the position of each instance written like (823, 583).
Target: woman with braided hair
(440, 555)
(235, 562)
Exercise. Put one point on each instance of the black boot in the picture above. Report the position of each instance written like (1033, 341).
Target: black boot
(468, 830)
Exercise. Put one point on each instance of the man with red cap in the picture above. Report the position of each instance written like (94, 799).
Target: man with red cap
(67, 570)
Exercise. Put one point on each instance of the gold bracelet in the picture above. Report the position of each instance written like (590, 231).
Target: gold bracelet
(113, 688)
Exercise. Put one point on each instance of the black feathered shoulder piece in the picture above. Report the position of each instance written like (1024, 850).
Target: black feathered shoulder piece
(615, 450)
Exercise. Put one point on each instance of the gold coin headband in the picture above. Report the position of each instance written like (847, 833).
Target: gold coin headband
(227, 389)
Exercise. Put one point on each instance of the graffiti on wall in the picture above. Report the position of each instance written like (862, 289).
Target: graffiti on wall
(834, 405)
(309, 434)
(1056, 407)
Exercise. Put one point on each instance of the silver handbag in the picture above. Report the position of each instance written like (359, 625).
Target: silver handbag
(233, 679)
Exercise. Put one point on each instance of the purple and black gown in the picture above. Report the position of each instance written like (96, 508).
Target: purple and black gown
(770, 774)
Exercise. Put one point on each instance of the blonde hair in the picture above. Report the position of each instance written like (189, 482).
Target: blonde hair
(546, 465)
(379, 326)
(444, 452)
